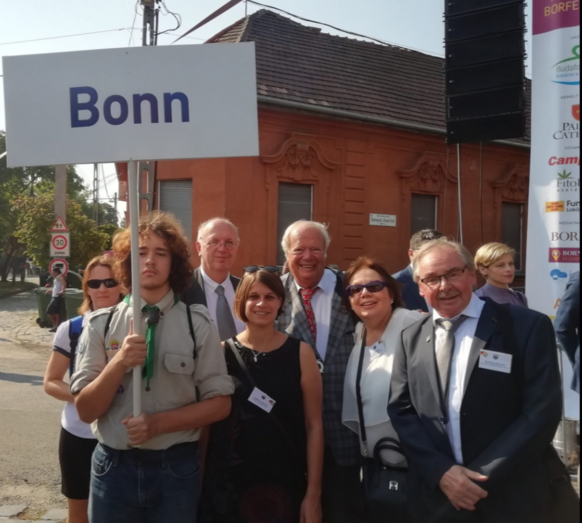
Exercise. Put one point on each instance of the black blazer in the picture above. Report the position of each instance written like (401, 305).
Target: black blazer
(568, 326)
(410, 291)
(195, 295)
(508, 420)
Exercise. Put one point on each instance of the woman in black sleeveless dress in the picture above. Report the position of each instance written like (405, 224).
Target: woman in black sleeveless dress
(264, 463)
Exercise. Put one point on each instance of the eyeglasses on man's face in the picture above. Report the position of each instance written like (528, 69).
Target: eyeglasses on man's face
(216, 244)
(453, 276)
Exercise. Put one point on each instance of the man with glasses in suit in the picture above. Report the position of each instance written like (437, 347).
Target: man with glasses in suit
(315, 314)
(213, 285)
(410, 291)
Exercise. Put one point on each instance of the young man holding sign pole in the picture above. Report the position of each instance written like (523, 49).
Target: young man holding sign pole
(146, 467)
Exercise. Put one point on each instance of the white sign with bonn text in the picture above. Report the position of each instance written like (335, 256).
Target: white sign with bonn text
(383, 220)
(144, 103)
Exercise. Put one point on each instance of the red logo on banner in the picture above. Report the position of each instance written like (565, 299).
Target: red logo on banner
(576, 111)
(562, 255)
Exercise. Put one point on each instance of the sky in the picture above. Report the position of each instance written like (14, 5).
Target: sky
(41, 26)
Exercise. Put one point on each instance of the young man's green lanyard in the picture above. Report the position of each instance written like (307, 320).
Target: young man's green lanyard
(152, 315)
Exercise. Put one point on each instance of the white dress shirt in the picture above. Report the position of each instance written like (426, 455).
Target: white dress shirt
(322, 304)
(212, 299)
(463, 344)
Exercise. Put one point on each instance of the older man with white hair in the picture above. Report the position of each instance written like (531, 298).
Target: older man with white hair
(476, 400)
(213, 285)
(314, 313)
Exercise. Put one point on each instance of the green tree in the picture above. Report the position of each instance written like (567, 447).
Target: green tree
(110, 229)
(107, 213)
(35, 215)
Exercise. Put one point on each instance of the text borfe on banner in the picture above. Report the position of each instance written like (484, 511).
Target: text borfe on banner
(554, 208)
(107, 106)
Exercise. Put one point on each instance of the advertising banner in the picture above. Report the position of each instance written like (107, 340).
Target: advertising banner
(554, 210)
(139, 103)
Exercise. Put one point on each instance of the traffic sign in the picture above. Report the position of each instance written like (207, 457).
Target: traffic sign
(59, 225)
(60, 244)
(59, 263)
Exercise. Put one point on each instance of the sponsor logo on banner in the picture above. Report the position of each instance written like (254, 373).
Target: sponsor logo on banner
(559, 276)
(556, 160)
(567, 71)
(567, 183)
(562, 255)
(555, 206)
(570, 130)
(565, 236)
(576, 112)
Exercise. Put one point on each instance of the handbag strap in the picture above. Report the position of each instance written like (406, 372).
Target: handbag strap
(363, 432)
(253, 385)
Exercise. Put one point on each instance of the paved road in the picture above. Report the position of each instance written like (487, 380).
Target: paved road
(29, 419)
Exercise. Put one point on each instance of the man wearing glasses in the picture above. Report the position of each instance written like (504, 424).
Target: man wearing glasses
(213, 285)
(476, 400)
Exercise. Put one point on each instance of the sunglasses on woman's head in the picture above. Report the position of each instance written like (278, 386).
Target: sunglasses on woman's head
(109, 283)
(251, 269)
(373, 287)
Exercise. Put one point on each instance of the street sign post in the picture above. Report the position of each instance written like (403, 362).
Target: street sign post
(107, 106)
(59, 225)
(59, 263)
(60, 245)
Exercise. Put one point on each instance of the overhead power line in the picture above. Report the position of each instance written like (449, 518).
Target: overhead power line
(66, 36)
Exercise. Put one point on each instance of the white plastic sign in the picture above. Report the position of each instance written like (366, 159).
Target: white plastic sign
(383, 220)
(60, 245)
(144, 103)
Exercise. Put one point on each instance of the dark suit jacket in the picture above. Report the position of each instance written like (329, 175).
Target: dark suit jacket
(195, 295)
(410, 291)
(508, 420)
(567, 326)
(343, 442)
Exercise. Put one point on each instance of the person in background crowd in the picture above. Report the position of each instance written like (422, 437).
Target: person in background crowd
(146, 468)
(476, 399)
(496, 263)
(56, 304)
(567, 326)
(410, 293)
(315, 314)
(213, 285)
(273, 443)
(375, 297)
(77, 442)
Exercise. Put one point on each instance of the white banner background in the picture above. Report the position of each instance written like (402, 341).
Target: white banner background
(554, 210)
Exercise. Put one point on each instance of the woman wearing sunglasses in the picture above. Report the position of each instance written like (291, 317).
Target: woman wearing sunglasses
(264, 464)
(376, 299)
(77, 443)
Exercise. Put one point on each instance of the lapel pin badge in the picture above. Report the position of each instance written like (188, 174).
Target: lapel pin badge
(428, 339)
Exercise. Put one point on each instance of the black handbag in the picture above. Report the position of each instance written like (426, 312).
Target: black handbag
(385, 487)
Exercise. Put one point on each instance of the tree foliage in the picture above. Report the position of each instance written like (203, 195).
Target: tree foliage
(35, 216)
(109, 229)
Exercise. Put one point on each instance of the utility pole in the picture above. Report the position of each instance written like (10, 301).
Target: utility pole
(96, 194)
(61, 192)
(149, 38)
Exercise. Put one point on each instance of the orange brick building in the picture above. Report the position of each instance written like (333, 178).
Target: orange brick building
(349, 129)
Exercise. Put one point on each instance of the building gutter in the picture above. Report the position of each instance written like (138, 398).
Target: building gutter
(389, 122)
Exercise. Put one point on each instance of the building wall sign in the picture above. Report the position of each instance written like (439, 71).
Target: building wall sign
(383, 220)
(145, 103)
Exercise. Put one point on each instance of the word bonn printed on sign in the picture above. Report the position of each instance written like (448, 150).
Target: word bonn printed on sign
(121, 105)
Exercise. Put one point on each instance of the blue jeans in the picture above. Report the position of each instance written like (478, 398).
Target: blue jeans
(141, 486)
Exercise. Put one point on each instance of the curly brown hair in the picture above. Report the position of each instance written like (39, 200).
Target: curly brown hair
(167, 227)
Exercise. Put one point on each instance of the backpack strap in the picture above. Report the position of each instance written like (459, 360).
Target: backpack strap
(109, 319)
(192, 335)
(75, 329)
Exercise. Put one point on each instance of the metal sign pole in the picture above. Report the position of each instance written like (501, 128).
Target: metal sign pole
(133, 188)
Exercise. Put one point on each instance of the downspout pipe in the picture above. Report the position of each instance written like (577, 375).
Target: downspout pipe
(389, 122)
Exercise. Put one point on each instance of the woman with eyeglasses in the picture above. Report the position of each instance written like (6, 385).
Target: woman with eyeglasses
(376, 299)
(264, 464)
(77, 442)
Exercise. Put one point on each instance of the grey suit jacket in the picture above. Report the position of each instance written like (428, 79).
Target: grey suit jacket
(343, 442)
(195, 295)
(508, 421)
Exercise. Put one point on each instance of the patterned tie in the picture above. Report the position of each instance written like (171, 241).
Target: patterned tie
(152, 315)
(307, 295)
(224, 318)
(446, 351)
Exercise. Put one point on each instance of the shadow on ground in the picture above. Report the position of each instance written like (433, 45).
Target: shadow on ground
(21, 378)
